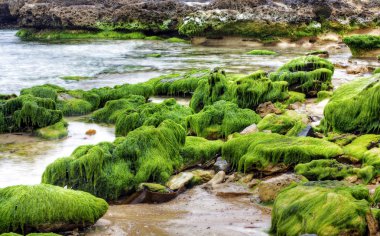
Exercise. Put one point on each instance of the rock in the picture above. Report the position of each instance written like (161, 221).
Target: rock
(90, 132)
(47, 208)
(230, 190)
(202, 176)
(250, 129)
(356, 70)
(179, 181)
(153, 187)
(269, 189)
(246, 178)
(306, 132)
(267, 108)
(221, 165)
(253, 183)
(234, 177)
(217, 179)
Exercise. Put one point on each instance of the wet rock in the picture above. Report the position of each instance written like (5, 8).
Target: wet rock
(153, 187)
(274, 169)
(250, 129)
(221, 165)
(356, 70)
(269, 189)
(307, 132)
(246, 178)
(233, 177)
(230, 190)
(90, 132)
(253, 183)
(202, 176)
(217, 179)
(267, 108)
(179, 181)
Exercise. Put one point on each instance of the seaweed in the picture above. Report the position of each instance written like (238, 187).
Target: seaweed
(31, 207)
(200, 150)
(259, 150)
(307, 74)
(354, 106)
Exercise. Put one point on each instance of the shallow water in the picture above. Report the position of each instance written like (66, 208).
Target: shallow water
(23, 158)
(24, 64)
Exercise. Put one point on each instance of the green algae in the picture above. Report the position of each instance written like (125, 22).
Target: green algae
(151, 114)
(322, 95)
(376, 71)
(155, 152)
(308, 74)
(200, 150)
(353, 107)
(114, 108)
(94, 169)
(359, 146)
(320, 209)
(62, 35)
(324, 170)
(220, 120)
(259, 150)
(261, 52)
(360, 45)
(30, 207)
(290, 123)
(75, 78)
(153, 187)
(178, 84)
(56, 131)
(176, 40)
(295, 97)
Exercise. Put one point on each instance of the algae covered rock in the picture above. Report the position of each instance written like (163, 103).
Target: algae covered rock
(114, 108)
(56, 131)
(110, 170)
(362, 45)
(151, 114)
(290, 123)
(178, 84)
(47, 208)
(322, 208)
(199, 150)
(308, 74)
(325, 170)
(260, 150)
(354, 107)
(220, 120)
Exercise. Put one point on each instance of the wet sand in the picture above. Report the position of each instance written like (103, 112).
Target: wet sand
(195, 212)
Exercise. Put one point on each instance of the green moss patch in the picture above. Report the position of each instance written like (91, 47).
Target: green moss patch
(151, 114)
(220, 120)
(354, 107)
(308, 74)
(56, 131)
(59, 35)
(259, 150)
(75, 78)
(199, 150)
(261, 52)
(362, 44)
(321, 210)
(33, 207)
(114, 108)
(290, 123)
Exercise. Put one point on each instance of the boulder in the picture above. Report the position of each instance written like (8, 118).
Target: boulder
(250, 129)
(47, 208)
(217, 179)
(179, 181)
(221, 165)
(269, 189)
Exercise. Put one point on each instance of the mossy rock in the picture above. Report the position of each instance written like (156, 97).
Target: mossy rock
(261, 52)
(377, 71)
(31, 234)
(359, 146)
(295, 97)
(151, 114)
(78, 102)
(153, 187)
(290, 123)
(200, 150)
(325, 170)
(360, 45)
(176, 40)
(260, 150)
(75, 78)
(56, 131)
(43, 91)
(354, 107)
(114, 108)
(27, 113)
(308, 74)
(178, 84)
(322, 95)
(220, 120)
(63, 35)
(322, 209)
(123, 91)
(46, 207)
